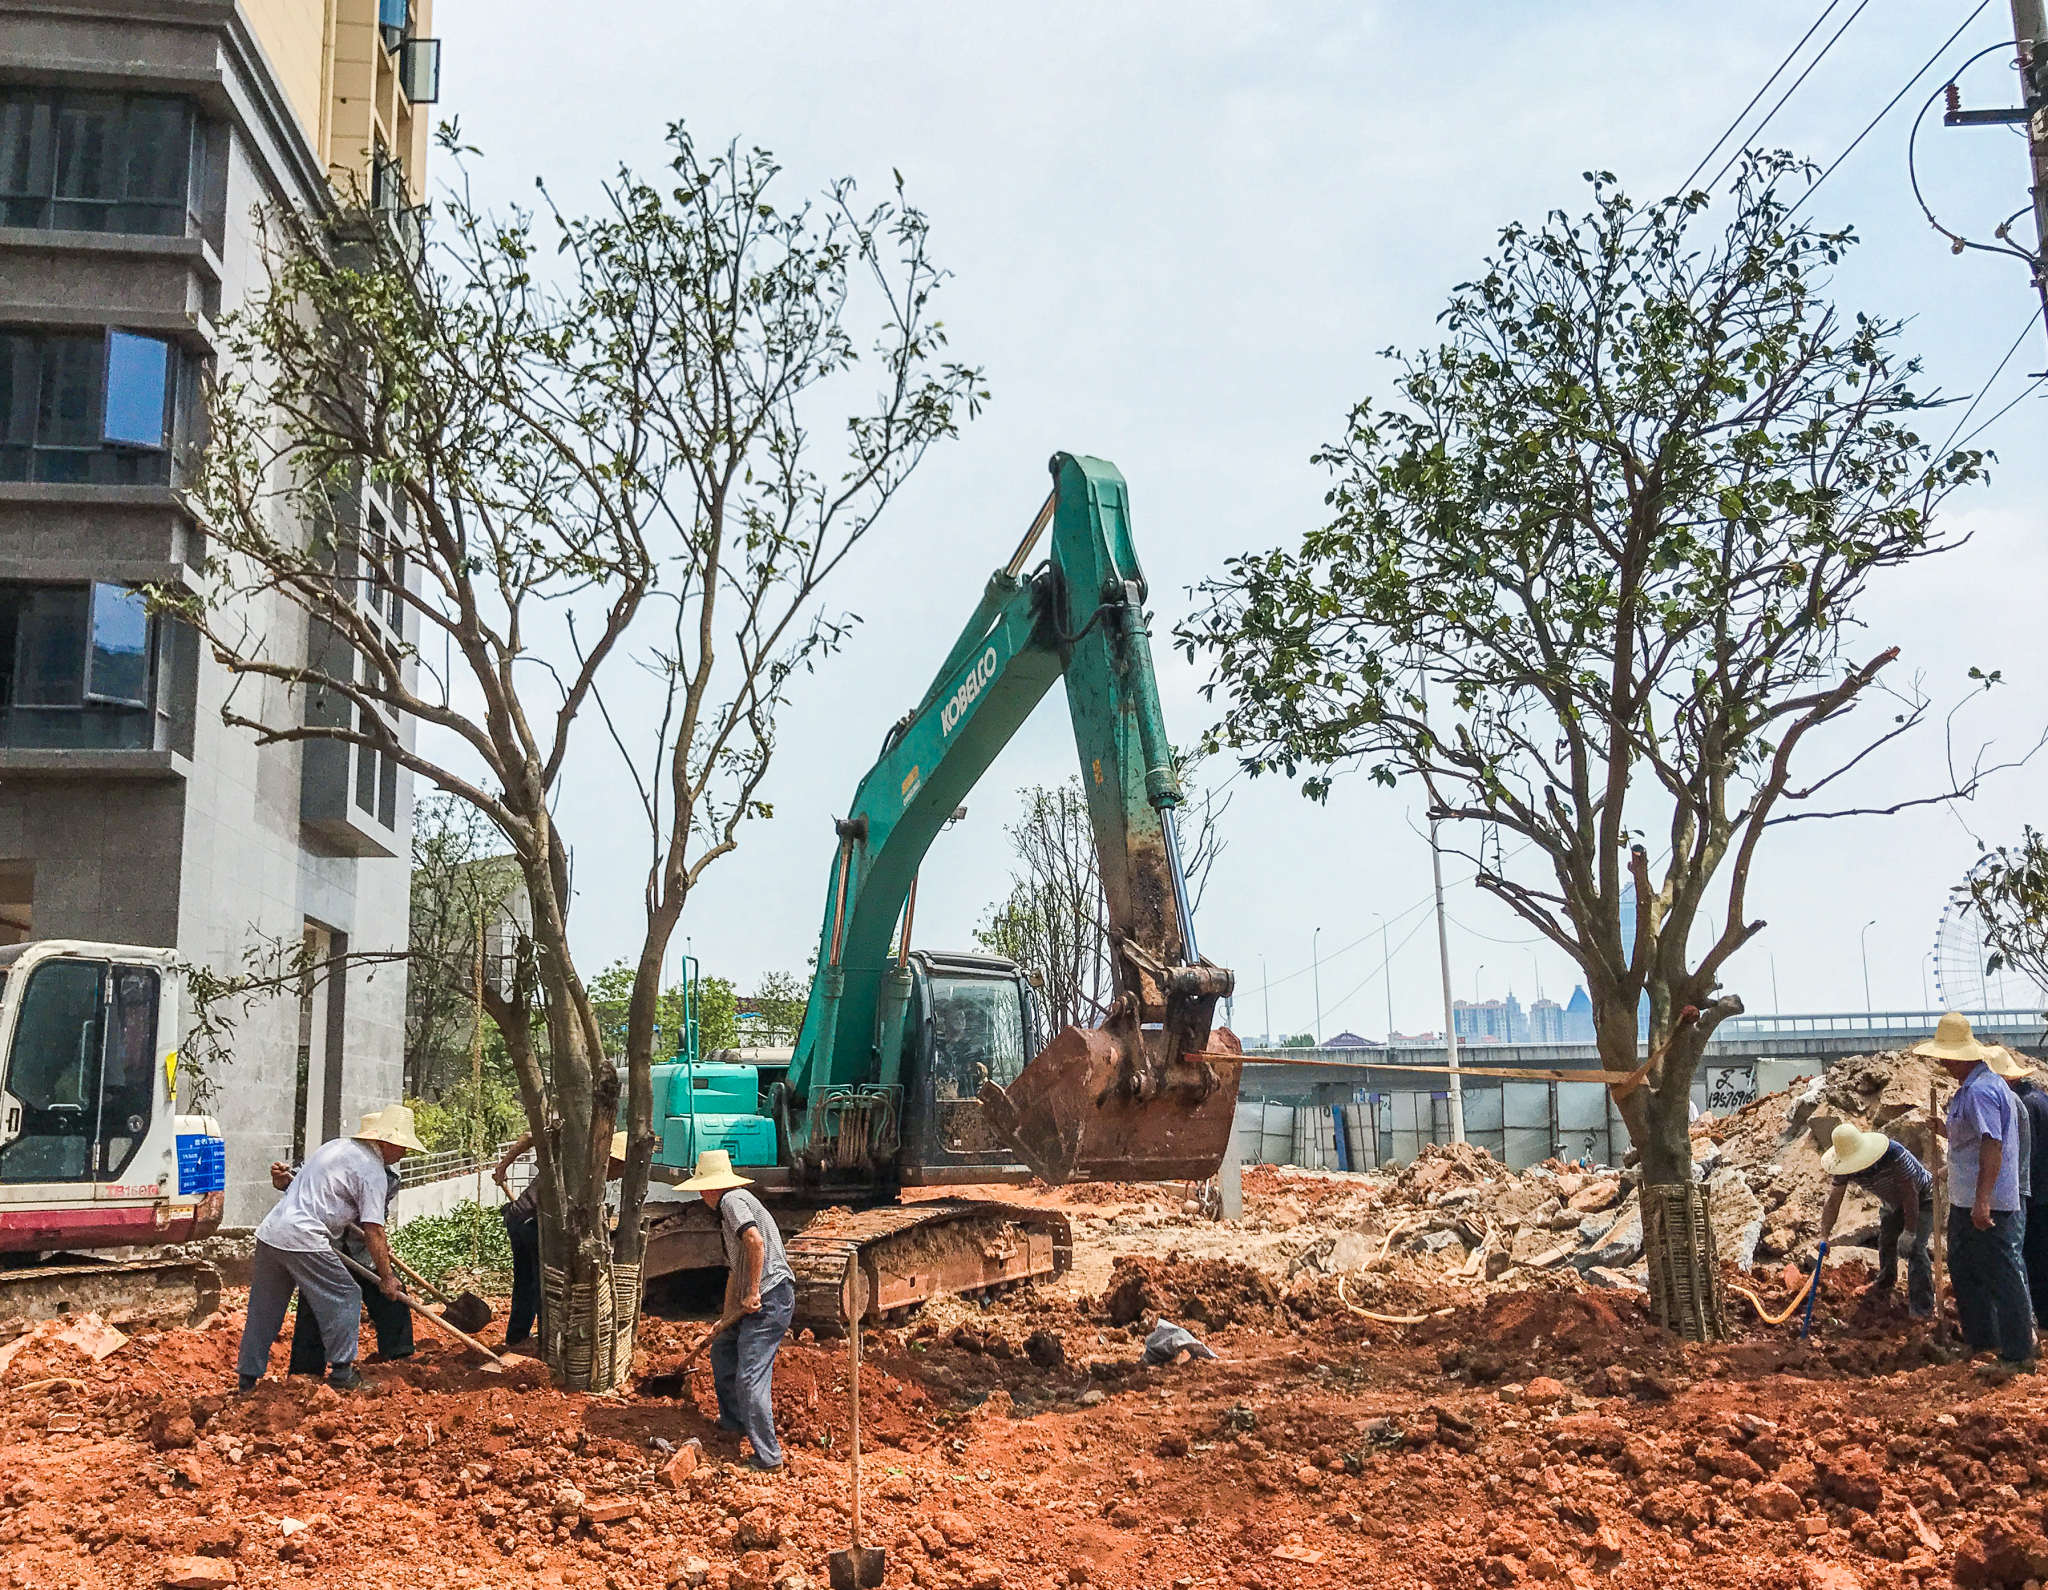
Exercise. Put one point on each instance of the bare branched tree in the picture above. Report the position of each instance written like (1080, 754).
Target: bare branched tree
(475, 483)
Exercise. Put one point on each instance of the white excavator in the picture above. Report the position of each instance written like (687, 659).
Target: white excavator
(99, 1173)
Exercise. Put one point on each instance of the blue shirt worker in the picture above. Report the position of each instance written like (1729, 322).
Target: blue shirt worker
(341, 1184)
(1984, 1216)
(1900, 1183)
(760, 1300)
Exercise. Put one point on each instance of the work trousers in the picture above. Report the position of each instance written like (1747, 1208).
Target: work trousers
(743, 1371)
(389, 1317)
(2034, 1255)
(1891, 1225)
(324, 1285)
(1990, 1283)
(522, 1230)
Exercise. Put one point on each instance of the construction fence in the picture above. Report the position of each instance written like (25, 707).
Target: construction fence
(1518, 1122)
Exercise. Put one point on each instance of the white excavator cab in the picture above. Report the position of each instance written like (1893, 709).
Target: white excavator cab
(93, 1153)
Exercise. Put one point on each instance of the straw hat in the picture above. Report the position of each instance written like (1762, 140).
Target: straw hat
(392, 1124)
(2005, 1062)
(1952, 1041)
(714, 1170)
(1853, 1149)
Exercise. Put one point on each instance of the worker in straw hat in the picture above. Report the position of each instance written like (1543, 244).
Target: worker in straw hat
(1985, 1213)
(341, 1184)
(522, 1232)
(760, 1299)
(1889, 1172)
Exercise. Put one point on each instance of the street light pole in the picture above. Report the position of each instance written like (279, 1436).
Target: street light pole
(1317, 961)
(1387, 974)
(1443, 952)
(1266, 988)
(1863, 942)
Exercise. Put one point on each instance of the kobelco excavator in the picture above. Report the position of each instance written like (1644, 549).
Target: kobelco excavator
(919, 1068)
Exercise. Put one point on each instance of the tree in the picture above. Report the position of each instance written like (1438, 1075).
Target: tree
(611, 996)
(2009, 890)
(479, 479)
(1592, 580)
(461, 888)
(1054, 922)
(777, 1008)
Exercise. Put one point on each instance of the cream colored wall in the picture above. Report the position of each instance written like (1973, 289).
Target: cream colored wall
(293, 34)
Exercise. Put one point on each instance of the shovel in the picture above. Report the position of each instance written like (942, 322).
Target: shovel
(674, 1382)
(858, 1567)
(496, 1365)
(465, 1311)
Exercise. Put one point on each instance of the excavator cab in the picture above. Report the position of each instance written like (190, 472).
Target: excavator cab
(973, 1020)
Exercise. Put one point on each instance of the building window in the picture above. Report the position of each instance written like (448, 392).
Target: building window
(98, 409)
(96, 162)
(76, 667)
(419, 70)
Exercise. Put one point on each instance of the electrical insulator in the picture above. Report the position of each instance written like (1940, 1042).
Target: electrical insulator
(1955, 98)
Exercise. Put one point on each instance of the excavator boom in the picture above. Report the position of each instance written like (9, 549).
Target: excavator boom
(1120, 1101)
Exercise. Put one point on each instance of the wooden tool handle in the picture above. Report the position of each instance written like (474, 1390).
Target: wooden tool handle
(853, 1409)
(414, 1304)
(724, 1323)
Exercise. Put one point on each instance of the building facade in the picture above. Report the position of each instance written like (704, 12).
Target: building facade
(1489, 1021)
(141, 141)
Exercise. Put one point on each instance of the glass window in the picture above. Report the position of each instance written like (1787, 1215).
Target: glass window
(127, 1092)
(62, 420)
(95, 162)
(978, 1034)
(117, 666)
(138, 379)
(49, 667)
(76, 668)
(419, 70)
(53, 1071)
(28, 157)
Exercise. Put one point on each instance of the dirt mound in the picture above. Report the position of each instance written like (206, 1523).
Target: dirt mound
(1214, 1293)
(1590, 1326)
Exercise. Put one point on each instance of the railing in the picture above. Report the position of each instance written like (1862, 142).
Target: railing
(417, 1168)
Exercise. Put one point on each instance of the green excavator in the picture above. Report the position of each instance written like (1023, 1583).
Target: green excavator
(922, 1069)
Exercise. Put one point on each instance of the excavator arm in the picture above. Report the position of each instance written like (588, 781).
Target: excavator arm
(1120, 1101)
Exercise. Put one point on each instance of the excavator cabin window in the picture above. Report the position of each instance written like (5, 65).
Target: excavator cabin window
(81, 1074)
(977, 1035)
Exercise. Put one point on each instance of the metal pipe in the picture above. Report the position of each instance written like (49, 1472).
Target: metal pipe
(1180, 885)
(1015, 566)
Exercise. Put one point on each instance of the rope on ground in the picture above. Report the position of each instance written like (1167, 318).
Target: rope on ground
(1384, 1319)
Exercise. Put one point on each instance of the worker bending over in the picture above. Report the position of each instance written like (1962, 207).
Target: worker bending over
(522, 1233)
(1890, 1173)
(389, 1316)
(1984, 1216)
(341, 1184)
(760, 1296)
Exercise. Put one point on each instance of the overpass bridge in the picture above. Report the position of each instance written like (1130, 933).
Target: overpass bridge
(1388, 1113)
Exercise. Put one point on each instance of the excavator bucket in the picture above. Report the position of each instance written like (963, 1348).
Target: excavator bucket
(1080, 1110)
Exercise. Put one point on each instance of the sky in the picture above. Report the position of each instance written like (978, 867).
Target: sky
(1181, 237)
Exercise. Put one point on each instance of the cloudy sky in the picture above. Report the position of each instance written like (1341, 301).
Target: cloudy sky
(1181, 234)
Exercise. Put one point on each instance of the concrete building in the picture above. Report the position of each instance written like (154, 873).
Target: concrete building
(1546, 1022)
(139, 142)
(1489, 1021)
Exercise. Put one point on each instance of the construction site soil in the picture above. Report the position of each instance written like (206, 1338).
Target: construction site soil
(1530, 1427)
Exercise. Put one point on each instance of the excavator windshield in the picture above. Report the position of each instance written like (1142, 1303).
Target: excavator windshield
(977, 1034)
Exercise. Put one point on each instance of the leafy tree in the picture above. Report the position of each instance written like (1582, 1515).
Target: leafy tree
(1055, 921)
(464, 891)
(777, 1006)
(484, 477)
(2009, 889)
(1592, 580)
(611, 997)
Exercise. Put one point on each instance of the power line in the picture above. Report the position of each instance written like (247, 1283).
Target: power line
(1986, 385)
(2033, 385)
(1790, 55)
(1892, 103)
(1757, 131)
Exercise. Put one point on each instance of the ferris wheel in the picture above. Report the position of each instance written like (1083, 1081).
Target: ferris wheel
(1960, 956)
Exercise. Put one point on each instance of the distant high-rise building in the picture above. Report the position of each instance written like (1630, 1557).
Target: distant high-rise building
(1546, 1022)
(1578, 1017)
(1489, 1021)
(1628, 939)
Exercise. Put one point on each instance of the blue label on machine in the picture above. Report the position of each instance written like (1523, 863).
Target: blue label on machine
(202, 1164)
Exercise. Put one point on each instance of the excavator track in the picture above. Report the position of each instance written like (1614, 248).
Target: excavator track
(163, 1293)
(887, 1261)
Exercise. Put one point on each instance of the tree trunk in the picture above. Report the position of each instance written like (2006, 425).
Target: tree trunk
(1678, 1236)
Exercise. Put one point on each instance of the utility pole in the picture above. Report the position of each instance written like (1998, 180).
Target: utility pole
(2030, 38)
(1443, 952)
(1266, 988)
(1317, 942)
(1863, 943)
(1387, 975)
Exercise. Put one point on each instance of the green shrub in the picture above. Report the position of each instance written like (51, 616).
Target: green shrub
(465, 1246)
